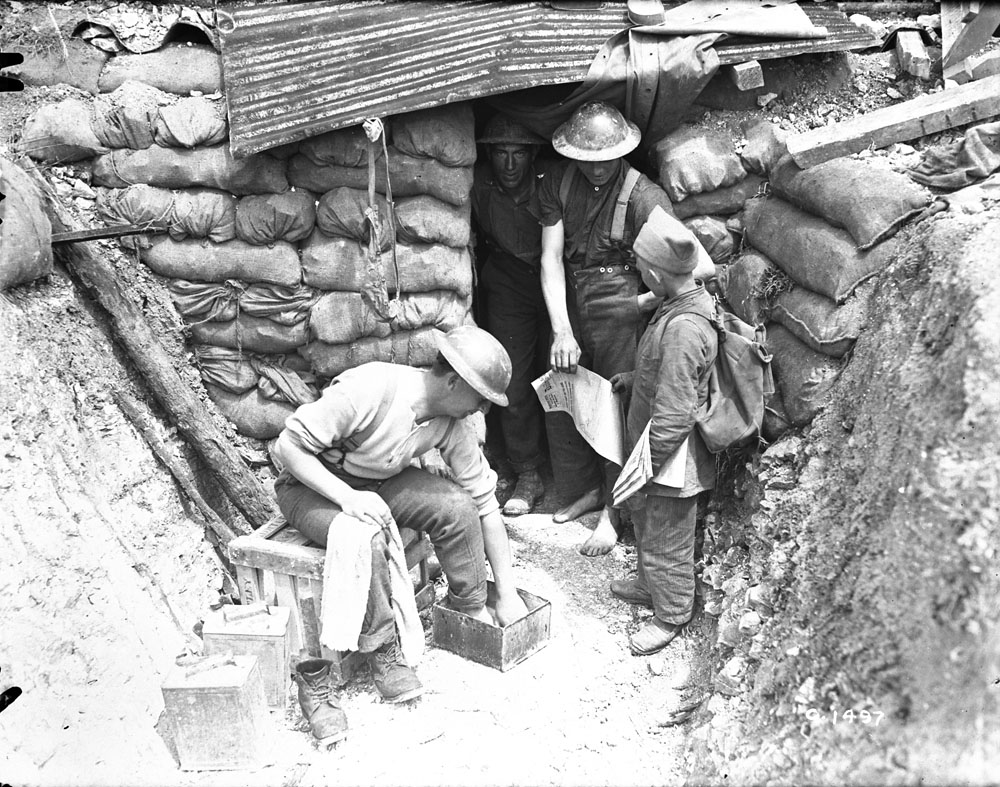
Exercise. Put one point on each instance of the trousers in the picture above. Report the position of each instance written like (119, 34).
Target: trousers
(420, 501)
(664, 538)
(604, 313)
(517, 317)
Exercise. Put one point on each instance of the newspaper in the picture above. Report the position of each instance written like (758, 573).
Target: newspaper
(638, 470)
(595, 408)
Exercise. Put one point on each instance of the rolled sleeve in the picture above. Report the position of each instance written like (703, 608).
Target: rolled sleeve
(460, 449)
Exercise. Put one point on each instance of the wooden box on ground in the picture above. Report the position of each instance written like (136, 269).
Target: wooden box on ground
(255, 630)
(278, 565)
(501, 648)
(218, 717)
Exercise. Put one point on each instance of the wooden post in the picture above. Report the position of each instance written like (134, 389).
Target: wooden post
(972, 37)
(156, 367)
(912, 54)
(976, 101)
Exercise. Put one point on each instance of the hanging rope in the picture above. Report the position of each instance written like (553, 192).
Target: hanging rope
(376, 290)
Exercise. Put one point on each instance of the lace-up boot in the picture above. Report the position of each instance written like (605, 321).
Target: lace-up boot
(319, 702)
(394, 678)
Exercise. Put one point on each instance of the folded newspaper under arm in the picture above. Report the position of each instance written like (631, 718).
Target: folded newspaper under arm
(638, 470)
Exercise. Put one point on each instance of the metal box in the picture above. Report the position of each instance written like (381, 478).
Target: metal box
(218, 716)
(500, 648)
(254, 630)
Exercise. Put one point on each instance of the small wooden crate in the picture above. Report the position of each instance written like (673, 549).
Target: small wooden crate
(218, 717)
(278, 565)
(254, 630)
(500, 648)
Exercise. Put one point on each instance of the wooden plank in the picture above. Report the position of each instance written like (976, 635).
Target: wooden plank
(975, 102)
(273, 526)
(268, 592)
(299, 561)
(249, 589)
(912, 54)
(309, 594)
(285, 594)
(973, 36)
(746, 76)
(102, 233)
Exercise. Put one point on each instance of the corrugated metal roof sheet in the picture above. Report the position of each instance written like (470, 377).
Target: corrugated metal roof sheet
(294, 70)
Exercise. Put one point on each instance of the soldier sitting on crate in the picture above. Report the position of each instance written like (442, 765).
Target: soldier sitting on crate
(350, 452)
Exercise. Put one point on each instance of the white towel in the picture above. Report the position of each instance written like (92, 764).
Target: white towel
(346, 578)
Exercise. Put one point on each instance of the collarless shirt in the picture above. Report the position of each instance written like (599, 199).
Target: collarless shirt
(512, 226)
(589, 212)
(351, 403)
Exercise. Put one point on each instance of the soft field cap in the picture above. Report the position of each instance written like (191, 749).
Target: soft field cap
(667, 245)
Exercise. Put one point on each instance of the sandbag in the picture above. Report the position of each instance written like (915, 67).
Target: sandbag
(776, 422)
(870, 201)
(821, 323)
(446, 133)
(340, 317)
(221, 301)
(346, 147)
(803, 375)
(765, 146)
(251, 413)
(820, 257)
(713, 234)
(235, 259)
(425, 219)
(263, 219)
(694, 160)
(192, 122)
(175, 69)
(177, 168)
(125, 118)
(189, 213)
(60, 132)
(962, 161)
(25, 230)
(410, 177)
(72, 62)
(339, 264)
(283, 152)
(720, 202)
(412, 348)
(226, 368)
(341, 214)
(746, 284)
(251, 334)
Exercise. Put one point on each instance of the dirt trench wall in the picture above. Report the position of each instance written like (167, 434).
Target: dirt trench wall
(885, 548)
(102, 574)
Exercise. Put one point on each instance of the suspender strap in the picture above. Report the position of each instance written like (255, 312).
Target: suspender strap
(565, 184)
(621, 204)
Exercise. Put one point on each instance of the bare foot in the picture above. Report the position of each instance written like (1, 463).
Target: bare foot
(605, 535)
(483, 615)
(589, 501)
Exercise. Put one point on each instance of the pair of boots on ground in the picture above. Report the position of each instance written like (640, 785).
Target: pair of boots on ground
(320, 703)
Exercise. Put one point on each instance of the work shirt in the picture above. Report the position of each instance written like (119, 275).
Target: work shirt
(673, 362)
(589, 211)
(351, 403)
(511, 226)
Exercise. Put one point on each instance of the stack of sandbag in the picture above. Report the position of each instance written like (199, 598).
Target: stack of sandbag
(257, 392)
(815, 243)
(383, 295)
(708, 184)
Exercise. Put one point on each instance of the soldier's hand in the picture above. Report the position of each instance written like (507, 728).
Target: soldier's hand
(565, 353)
(434, 464)
(622, 382)
(366, 506)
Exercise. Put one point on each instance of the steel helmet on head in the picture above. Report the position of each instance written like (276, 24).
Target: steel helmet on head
(504, 130)
(479, 359)
(596, 132)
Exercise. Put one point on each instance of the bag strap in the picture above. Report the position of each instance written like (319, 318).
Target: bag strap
(621, 204)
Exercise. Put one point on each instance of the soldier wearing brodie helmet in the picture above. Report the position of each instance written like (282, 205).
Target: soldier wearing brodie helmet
(348, 474)
(505, 206)
(592, 210)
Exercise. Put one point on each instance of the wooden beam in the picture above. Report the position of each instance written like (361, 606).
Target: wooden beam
(976, 101)
(972, 37)
(746, 76)
(101, 280)
(912, 54)
(102, 233)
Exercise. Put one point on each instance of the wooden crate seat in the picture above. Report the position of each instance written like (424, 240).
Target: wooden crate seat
(278, 565)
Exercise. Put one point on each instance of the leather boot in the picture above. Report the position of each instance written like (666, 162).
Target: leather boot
(319, 702)
(393, 677)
